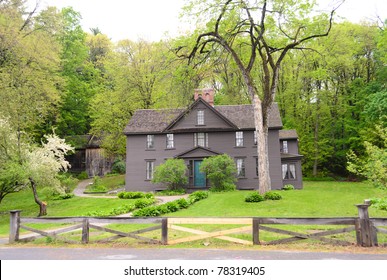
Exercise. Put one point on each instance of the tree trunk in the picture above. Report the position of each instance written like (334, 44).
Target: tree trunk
(262, 148)
(42, 204)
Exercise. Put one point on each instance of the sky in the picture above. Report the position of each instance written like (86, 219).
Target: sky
(153, 19)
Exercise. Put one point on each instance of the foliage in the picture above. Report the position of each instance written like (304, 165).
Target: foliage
(97, 186)
(272, 196)
(172, 206)
(220, 170)
(373, 165)
(113, 212)
(171, 193)
(197, 196)
(288, 187)
(172, 173)
(379, 203)
(119, 167)
(134, 195)
(144, 202)
(183, 203)
(254, 197)
(83, 175)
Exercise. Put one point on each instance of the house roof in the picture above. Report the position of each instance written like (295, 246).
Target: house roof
(158, 120)
(83, 141)
(288, 134)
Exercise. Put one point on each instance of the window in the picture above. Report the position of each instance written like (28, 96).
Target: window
(150, 141)
(240, 163)
(200, 117)
(288, 171)
(256, 167)
(285, 147)
(201, 139)
(255, 138)
(170, 142)
(149, 169)
(239, 139)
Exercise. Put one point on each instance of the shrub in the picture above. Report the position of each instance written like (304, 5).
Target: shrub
(144, 202)
(220, 171)
(172, 173)
(254, 197)
(183, 203)
(172, 206)
(196, 196)
(68, 182)
(97, 186)
(379, 203)
(151, 211)
(83, 176)
(134, 195)
(272, 196)
(288, 187)
(171, 192)
(119, 167)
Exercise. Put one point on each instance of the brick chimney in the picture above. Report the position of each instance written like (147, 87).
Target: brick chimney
(206, 94)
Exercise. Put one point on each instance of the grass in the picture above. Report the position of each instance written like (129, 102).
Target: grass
(107, 183)
(317, 199)
(76, 206)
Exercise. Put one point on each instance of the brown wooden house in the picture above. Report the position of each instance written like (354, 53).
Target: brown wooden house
(88, 156)
(203, 130)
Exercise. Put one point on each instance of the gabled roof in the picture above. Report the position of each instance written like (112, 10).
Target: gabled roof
(197, 152)
(193, 105)
(158, 121)
(288, 134)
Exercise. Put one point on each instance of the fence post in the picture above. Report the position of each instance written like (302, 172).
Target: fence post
(256, 231)
(164, 231)
(365, 232)
(85, 231)
(14, 228)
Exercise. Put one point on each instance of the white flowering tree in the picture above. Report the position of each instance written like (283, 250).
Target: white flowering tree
(23, 164)
(43, 165)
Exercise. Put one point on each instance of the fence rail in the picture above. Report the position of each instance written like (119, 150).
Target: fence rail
(366, 229)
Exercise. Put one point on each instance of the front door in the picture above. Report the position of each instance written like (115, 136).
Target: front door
(199, 177)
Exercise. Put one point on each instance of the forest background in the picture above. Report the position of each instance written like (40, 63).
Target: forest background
(56, 76)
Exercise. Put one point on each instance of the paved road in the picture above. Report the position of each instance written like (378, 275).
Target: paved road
(12, 253)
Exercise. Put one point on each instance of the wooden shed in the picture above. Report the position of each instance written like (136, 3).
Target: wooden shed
(88, 156)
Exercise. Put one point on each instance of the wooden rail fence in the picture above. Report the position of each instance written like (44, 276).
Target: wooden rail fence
(366, 229)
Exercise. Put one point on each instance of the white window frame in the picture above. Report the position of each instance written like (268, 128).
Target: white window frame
(201, 137)
(150, 168)
(255, 138)
(170, 141)
(285, 147)
(200, 117)
(239, 141)
(150, 141)
(241, 167)
(289, 171)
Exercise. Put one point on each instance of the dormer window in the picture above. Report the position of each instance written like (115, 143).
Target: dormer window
(285, 147)
(200, 117)
(170, 141)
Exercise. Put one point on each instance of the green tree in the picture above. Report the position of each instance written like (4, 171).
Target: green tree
(82, 79)
(373, 165)
(172, 173)
(221, 171)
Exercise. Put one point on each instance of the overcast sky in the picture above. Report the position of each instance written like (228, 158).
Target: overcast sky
(151, 19)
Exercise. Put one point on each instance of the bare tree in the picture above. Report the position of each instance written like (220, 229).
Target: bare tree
(266, 31)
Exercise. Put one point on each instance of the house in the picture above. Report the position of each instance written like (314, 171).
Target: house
(88, 156)
(203, 130)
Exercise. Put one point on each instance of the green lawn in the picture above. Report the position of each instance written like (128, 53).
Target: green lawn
(317, 199)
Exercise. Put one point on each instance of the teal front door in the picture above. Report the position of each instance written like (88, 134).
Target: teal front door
(199, 177)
